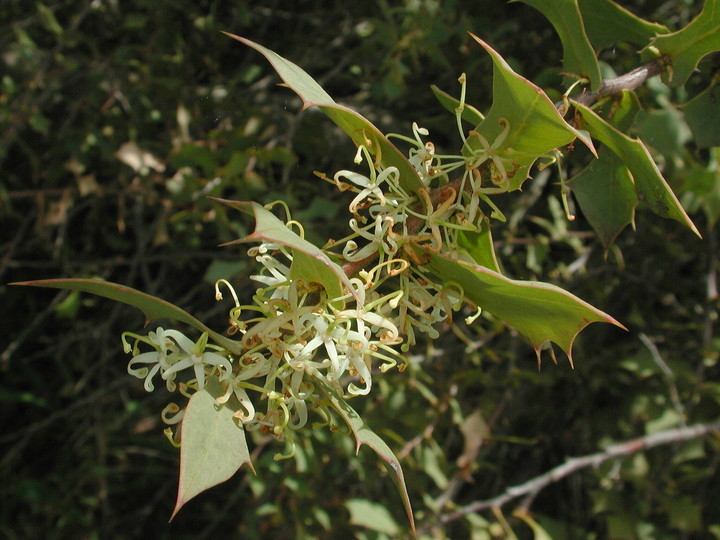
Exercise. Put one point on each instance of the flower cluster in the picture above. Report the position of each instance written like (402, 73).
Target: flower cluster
(294, 336)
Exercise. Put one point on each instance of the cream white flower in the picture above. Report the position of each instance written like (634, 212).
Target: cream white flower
(195, 355)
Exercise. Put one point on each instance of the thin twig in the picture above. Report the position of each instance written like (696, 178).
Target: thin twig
(667, 372)
(629, 81)
(572, 465)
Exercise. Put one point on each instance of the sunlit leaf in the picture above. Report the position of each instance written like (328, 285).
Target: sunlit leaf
(213, 445)
(607, 23)
(359, 128)
(268, 228)
(475, 431)
(689, 45)
(364, 435)
(651, 187)
(373, 516)
(151, 306)
(539, 311)
(535, 125)
(578, 55)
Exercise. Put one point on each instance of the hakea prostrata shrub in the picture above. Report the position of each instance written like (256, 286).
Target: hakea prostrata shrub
(323, 322)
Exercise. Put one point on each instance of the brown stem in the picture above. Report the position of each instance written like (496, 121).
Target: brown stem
(629, 81)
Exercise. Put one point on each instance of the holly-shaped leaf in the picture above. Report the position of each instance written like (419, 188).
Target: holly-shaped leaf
(539, 311)
(151, 306)
(522, 125)
(702, 114)
(315, 266)
(606, 193)
(605, 189)
(689, 45)
(607, 23)
(359, 128)
(578, 55)
(650, 186)
(364, 435)
(213, 445)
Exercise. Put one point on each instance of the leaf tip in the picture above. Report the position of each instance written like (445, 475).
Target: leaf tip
(178, 505)
(236, 37)
(615, 322)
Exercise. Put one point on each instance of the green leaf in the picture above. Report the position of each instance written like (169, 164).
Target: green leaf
(650, 186)
(539, 311)
(359, 128)
(689, 45)
(535, 125)
(665, 132)
(702, 114)
(48, 19)
(479, 246)
(197, 157)
(607, 23)
(213, 445)
(579, 56)
(621, 112)
(268, 228)
(373, 516)
(364, 435)
(312, 270)
(606, 193)
(684, 514)
(69, 307)
(605, 189)
(469, 113)
(151, 306)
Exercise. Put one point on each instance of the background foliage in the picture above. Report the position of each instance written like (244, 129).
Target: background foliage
(117, 119)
